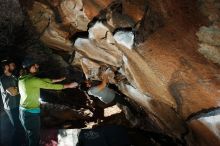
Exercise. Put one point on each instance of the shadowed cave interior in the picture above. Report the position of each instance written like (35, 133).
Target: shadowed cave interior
(164, 59)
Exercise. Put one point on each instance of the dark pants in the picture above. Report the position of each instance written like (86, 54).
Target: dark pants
(121, 101)
(31, 123)
(18, 131)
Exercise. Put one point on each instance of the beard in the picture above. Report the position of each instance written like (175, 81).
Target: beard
(11, 70)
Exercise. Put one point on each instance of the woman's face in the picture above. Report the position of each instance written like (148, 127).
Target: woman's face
(34, 68)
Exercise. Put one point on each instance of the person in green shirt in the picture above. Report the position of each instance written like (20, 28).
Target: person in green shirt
(29, 89)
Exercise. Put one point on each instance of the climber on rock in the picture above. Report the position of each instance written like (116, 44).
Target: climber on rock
(29, 88)
(108, 96)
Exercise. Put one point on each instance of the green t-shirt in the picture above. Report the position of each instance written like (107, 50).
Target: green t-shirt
(29, 88)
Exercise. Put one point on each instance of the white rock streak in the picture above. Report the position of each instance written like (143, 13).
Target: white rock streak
(100, 45)
(125, 38)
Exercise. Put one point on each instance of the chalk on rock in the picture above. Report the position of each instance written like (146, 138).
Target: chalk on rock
(109, 111)
(125, 38)
(98, 31)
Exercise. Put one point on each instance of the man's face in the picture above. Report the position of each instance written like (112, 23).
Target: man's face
(12, 66)
(6, 68)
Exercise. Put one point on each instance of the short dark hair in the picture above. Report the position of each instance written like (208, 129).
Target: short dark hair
(25, 71)
(11, 61)
(83, 86)
(4, 63)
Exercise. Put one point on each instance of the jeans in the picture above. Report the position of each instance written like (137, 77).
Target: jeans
(18, 131)
(31, 123)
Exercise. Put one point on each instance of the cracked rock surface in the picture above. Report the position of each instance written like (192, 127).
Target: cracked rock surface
(166, 52)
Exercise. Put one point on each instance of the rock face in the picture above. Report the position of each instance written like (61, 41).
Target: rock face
(209, 36)
(165, 52)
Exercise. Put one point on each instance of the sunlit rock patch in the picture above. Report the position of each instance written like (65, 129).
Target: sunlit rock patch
(210, 41)
(210, 36)
(73, 14)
